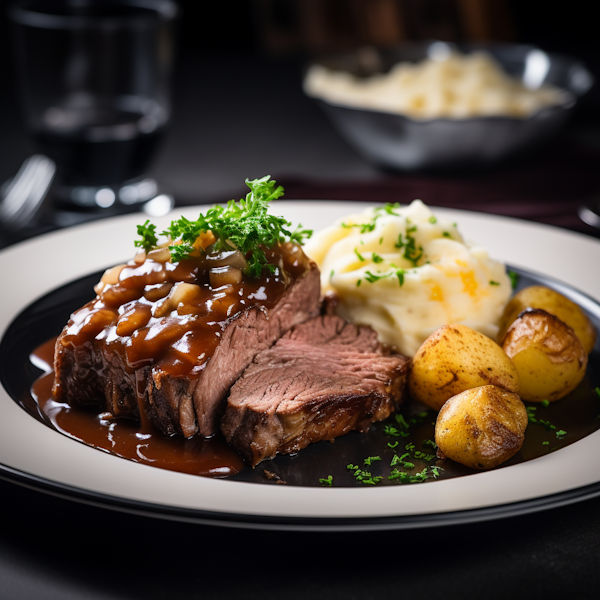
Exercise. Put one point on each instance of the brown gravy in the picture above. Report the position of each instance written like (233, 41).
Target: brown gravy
(149, 316)
(578, 415)
(212, 457)
(127, 438)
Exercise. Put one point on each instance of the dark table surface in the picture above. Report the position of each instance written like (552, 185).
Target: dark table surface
(223, 132)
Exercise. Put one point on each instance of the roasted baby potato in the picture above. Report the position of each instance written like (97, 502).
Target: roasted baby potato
(481, 427)
(547, 354)
(455, 358)
(556, 304)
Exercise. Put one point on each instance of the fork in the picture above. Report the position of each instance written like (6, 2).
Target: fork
(23, 195)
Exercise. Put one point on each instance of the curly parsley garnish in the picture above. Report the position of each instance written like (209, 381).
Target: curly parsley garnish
(148, 235)
(245, 225)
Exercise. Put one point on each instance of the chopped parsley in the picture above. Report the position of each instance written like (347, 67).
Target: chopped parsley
(372, 278)
(407, 465)
(546, 424)
(531, 410)
(390, 430)
(419, 417)
(326, 481)
(532, 418)
(376, 258)
(364, 227)
(245, 224)
(401, 420)
(407, 478)
(389, 208)
(360, 256)
(435, 471)
(427, 457)
(514, 278)
(370, 226)
(494, 282)
(398, 460)
(412, 253)
(362, 476)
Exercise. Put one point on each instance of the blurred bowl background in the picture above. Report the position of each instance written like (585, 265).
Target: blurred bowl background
(239, 110)
(398, 142)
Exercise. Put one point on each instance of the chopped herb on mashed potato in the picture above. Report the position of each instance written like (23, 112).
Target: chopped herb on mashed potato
(406, 272)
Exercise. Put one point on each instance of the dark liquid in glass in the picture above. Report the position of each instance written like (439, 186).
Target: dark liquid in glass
(97, 144)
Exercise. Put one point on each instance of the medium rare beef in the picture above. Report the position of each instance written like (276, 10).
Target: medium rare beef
(322, 379)
(188, 399)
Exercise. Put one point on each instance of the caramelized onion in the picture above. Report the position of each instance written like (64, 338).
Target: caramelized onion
(160, 255)
(135, 318)
(115, 296)
(182, 293)
(226, 258)
(110, 277)
(224, 275)
(156, 292)
(181, 302)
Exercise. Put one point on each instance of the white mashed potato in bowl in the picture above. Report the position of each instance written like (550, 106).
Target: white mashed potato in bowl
(455, 86)
(406, 273)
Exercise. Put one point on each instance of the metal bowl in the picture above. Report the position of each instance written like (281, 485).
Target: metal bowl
(395, 141)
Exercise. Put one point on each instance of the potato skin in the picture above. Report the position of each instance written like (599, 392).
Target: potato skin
(455, 358)
(549, 357)
(481, 427)
(556, 304)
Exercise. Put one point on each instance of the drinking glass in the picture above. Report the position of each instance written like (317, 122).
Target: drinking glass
(94, 84)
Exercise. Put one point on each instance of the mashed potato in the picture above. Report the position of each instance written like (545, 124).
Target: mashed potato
(406, 272)
(456, 86)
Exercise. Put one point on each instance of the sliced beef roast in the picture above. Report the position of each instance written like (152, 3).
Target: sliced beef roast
(92, 374)
(249, 333)
(322, 379)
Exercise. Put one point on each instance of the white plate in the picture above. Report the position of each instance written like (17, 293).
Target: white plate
(35, 455)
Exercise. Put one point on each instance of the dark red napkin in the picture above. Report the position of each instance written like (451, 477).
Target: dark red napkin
(547, 186)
